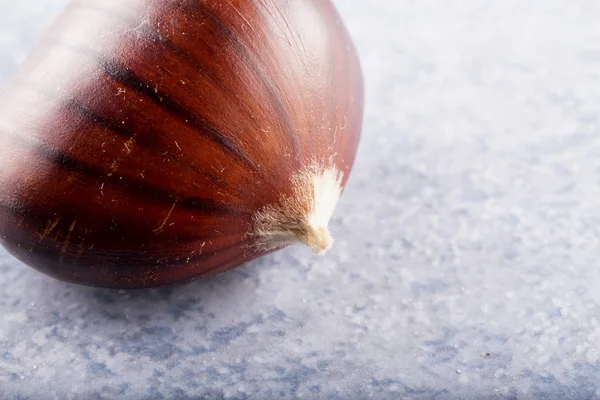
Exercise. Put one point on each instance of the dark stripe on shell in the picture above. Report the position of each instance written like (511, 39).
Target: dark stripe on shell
(65, 161)
(254, 65)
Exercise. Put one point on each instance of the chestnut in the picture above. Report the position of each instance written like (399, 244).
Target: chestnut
(153, 142)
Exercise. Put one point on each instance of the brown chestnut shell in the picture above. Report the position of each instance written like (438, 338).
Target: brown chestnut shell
(141, 138)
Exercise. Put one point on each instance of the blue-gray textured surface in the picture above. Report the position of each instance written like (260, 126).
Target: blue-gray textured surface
(469, 227)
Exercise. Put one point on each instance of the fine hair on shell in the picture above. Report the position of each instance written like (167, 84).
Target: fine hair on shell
(302, 216)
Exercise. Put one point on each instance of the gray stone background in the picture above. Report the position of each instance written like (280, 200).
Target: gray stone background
(466, 263)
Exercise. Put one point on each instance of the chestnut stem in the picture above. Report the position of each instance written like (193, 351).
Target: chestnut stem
(305, 214)
(318, 239)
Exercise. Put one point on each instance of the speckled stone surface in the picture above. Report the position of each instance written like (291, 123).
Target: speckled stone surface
(467, 256)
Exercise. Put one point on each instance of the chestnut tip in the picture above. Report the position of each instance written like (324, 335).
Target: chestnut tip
(318, 239)
(303, 216)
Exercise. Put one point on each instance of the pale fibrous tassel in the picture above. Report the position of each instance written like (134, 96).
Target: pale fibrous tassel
(304, 215)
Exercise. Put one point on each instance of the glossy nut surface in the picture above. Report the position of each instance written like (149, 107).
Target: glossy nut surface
(140, 139)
